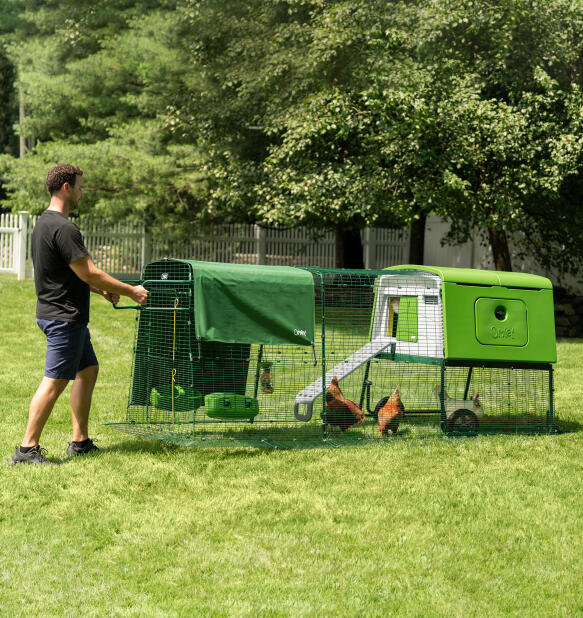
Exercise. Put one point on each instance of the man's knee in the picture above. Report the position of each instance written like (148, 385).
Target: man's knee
(53, 387)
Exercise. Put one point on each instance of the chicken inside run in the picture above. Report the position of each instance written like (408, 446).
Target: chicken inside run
(281, 356)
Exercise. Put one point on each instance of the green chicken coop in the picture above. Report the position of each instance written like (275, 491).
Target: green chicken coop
(246, 354)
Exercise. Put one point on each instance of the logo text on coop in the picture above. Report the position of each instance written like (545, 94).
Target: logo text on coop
(499, 332)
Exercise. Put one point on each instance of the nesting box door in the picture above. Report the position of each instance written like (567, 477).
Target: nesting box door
(408, 314)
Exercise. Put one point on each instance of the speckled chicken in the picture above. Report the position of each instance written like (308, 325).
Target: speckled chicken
(391, 414)
(341, 412)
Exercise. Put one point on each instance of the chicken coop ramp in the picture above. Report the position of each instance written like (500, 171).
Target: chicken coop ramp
(309, 394)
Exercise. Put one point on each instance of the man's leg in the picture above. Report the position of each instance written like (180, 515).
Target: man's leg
(41, 407)
(80, 401)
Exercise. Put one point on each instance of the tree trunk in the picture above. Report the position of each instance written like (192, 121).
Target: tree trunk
(417, 240)
(500, 251)
(348, 249)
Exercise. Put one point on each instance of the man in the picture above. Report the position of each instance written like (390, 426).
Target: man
(64, 274)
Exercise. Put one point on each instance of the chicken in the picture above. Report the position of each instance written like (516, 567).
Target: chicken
(341, 412)
(334, 391)
(355, 410)
(452, 405)
(391, 414)
(265, 379)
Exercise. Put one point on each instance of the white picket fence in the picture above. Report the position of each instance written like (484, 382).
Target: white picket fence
(124, 248)
(14, 236)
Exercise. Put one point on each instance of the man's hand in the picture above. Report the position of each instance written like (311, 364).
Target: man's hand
(139, 295)
(112, 298)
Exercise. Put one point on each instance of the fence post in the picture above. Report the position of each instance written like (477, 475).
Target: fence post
(146, 247)
(260, 244)
(20, 255)
(370, 247)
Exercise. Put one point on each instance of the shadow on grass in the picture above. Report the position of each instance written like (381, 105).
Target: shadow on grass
(156, 446)
(567, 426)
(228, 441)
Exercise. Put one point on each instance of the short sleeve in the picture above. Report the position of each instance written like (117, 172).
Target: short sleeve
(70, 243)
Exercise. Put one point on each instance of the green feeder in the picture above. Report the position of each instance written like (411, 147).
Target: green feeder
(185, 398)
(230, 406)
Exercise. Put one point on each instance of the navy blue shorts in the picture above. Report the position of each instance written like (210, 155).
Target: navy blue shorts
(69, 349)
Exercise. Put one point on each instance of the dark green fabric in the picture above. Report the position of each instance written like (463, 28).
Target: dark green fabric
(240, 303)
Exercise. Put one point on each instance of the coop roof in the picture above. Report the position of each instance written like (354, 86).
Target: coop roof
(471, 276)
(244, 303)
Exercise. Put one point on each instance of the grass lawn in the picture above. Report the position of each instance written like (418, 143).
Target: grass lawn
(484, 526)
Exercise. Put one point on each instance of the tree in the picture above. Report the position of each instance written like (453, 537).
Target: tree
(8, 111)
(510, 126)
(283, 111)
(336, 114)
(97, 81)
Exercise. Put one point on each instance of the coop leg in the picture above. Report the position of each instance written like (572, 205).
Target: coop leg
(443, 421)
(467, 388)
(257, 372)
(365, 389)
(551, 412)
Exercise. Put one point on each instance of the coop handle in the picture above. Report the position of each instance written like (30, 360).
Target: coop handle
(142, 308)
(145, 284)
(303, 417)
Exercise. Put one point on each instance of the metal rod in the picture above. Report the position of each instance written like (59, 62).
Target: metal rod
(259, 357)
(443, 421)
(469, 378)
(323, 335)
(551, 412)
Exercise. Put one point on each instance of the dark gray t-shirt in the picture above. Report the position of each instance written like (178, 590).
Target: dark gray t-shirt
(56, 242)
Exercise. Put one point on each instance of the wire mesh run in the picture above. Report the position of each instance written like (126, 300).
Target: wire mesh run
(376, 371)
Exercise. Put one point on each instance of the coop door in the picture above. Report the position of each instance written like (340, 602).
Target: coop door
(403, 318)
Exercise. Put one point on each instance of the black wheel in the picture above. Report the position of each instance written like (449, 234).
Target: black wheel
(462, 421)
(379, 405)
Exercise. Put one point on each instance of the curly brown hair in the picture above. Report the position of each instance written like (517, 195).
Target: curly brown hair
(60, 174)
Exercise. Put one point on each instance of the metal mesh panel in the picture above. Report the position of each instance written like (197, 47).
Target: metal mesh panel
(509, 399)
(378, 350)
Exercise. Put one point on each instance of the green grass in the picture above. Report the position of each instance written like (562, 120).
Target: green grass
(485, 526)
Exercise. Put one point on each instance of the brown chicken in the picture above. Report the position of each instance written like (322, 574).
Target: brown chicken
(334, 390)
(341, 412)
(355, 410)
(391, 414)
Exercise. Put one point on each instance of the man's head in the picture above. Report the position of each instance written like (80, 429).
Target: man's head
(65, 182)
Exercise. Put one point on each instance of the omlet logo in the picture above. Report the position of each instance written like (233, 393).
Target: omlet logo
(498, 332)
(299, 333)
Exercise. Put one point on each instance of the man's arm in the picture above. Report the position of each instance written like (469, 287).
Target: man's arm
(98, 280)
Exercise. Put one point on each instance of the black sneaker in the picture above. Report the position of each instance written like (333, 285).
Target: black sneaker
(74, 449)
(36, 455)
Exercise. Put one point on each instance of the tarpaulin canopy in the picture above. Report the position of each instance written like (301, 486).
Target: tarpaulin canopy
(240, 303)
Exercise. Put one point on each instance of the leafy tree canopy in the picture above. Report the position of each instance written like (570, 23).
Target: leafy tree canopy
(331, 113)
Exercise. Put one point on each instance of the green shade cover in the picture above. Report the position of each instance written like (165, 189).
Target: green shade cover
(240, 303)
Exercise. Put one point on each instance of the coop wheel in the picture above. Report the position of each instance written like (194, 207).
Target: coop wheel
(379, 405)
(463, 421)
